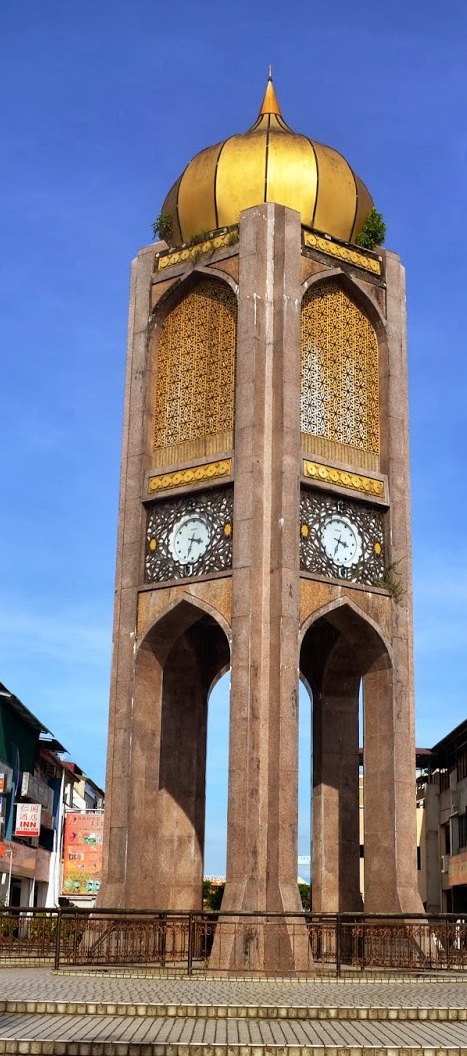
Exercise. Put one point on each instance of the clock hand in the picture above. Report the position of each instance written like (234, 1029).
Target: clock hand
(193, 539)
(190, 545)
(340, 542)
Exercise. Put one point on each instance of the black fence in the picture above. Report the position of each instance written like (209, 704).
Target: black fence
(200, 942)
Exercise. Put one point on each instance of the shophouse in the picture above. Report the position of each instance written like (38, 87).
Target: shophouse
(442, 803)
(37, 789)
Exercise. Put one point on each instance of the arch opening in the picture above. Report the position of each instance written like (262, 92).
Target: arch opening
(217, 768)
(305, 776)
(345, 662)
(179, 661)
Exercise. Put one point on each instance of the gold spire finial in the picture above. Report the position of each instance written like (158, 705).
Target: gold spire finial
(270, 104)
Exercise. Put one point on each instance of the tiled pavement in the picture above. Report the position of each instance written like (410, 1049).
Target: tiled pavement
(89, 1015)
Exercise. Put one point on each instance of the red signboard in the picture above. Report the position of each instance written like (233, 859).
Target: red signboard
(82, 853)
(28, 819)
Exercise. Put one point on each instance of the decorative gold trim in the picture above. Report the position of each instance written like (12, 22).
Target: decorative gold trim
(208, 245)
(330, 475)
(351, 256)
(194, 475)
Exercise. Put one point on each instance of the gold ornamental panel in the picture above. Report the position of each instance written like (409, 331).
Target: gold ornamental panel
(344, 478)
(339, 371)
(196, 370)
(350, 254)
(192, 475)
(169, 258)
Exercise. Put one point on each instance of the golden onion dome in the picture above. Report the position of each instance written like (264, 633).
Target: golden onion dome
(269, 163)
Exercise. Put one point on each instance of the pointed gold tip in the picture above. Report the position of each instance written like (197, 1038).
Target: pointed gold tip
(270, 104)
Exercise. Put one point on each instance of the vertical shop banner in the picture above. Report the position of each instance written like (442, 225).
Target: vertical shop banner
(82, 853)
(28, 819)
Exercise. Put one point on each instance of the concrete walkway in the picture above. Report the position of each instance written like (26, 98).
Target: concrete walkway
(86, 1014)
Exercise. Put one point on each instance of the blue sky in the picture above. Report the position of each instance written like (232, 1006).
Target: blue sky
(102, 106)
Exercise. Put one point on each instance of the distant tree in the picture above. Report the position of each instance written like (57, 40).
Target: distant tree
(305, 895)
(212, 895)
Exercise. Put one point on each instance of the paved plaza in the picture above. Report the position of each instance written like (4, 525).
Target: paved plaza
(127, 1014)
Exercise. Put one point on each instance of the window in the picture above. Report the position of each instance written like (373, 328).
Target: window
(462, 829)
(461, 765)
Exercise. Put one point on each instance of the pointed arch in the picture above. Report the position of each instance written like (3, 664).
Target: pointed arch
(356, 291)
(178, 660)
(343, 611)
(182, 285)
(175, 618)
(342, 648)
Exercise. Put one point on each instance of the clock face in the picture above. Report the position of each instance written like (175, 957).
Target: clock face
(341, 538)
(342, 541)
(190, 539)
(189, 536)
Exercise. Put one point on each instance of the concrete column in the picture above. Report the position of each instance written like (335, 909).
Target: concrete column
(128, 574)
(379, 794)
(390, 804)
(389, 771)
(166, 835)
(403, 743)
(336, 841)
(263, 767)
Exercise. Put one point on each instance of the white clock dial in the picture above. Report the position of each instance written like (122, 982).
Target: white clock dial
(341, 541)
(190, 539)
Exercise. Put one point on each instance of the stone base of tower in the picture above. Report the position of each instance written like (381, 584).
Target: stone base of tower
(261, 945)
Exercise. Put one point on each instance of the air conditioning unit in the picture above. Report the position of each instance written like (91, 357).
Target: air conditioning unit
(444, 863)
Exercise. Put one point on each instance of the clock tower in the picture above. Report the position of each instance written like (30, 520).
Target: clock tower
(264, 526)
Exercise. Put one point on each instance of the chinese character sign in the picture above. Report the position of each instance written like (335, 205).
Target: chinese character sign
(82, 853)
(28, 819)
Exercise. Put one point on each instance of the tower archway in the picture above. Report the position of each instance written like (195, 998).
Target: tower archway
(178, 661)
(342, 653)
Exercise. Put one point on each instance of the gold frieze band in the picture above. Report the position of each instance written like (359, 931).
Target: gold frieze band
(330, 475)
(210, 471)
(180, 256)
(351, 256)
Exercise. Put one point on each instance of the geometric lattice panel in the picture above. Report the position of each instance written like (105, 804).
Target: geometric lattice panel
(339, 395)
(189, 536)
(196, 366)
(341, 538)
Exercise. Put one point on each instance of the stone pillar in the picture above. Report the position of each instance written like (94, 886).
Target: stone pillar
(263, 767)
(389, 760)
(336, 853)
(119, 777)
(166, 839)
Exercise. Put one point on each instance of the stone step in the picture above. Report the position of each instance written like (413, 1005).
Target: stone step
(100, 1035)
(374, 1013)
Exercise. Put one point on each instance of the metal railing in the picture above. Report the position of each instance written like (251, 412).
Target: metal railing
(200, 942)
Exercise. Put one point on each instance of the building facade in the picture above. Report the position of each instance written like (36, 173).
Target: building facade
(442, 810)
(37, 788)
